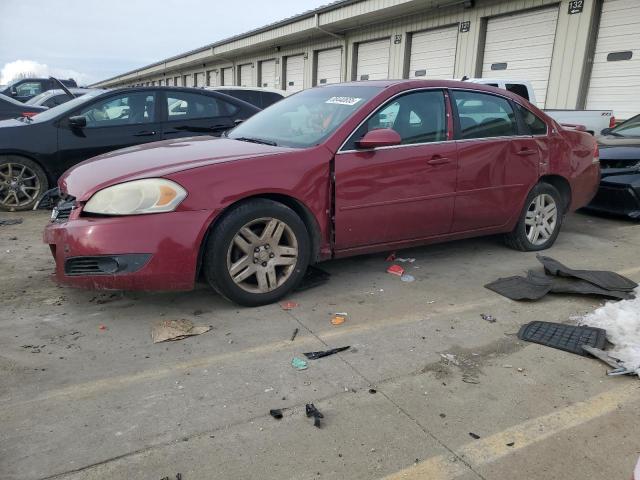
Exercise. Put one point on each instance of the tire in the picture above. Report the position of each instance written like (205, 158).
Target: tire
(255, 243)
(538, 214)
(22, 182)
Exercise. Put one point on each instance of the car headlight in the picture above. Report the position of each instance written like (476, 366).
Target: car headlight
(151, 195)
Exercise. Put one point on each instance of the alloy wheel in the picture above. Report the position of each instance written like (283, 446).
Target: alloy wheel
(262, 255)
(541, 219)
(19, 185)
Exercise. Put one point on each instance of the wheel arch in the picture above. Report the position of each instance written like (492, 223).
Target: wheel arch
(294, 204)
(50, 176)
(562, 185)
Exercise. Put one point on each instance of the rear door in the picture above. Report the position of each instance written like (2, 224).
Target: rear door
(117, 121)
(406, 192)
(186, 114)
(498, 161)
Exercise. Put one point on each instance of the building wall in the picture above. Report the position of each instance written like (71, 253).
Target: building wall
(375, 19)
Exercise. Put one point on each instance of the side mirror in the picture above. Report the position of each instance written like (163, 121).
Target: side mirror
(605, 131)
(238, 121)
(79, 121)
(380, 137)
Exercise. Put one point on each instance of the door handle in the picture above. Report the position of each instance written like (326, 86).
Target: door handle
(438, 160)
(526, 151)
(145, 133)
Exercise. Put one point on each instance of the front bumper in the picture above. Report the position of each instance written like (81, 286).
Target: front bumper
(142, 252)
(619, 193)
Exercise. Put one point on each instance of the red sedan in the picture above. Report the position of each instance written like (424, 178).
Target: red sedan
(330, 172)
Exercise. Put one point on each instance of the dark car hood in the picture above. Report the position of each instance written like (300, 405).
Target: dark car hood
(629, 152)
(157, 159)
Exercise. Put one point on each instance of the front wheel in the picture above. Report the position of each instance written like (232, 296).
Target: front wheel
(22, 181)
(257, 253)
(540, 221)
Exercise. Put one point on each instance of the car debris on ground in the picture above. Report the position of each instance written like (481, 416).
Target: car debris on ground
(294, 334)
(569, 338)
(339, 318)
(10, 221)
(395, 270)
(286, 306)
(488, 318)
(325, 353)
(170, 330)
(276, 413)
(312, 411)
(299, 363)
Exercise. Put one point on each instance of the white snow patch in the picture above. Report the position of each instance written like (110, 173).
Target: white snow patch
(621, 320)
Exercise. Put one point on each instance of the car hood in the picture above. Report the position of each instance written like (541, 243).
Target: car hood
(156, 159)
(619, 152)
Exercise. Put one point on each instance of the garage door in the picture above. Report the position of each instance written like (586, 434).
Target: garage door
(373, 60)
(246, 75)
(520, 46)
(227, 76)
(198, 80)
(615, 75)
(268, 74)
(187, 80)
(294, 76)
(329, 66)
(211, 78)
(433, 53)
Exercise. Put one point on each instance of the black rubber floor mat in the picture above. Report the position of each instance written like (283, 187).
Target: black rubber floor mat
(313, 277)
(603, 279)
(569, 338)
(520, 288)
(577, 286)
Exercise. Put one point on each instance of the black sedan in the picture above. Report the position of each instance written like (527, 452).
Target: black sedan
(35, 151)
(619, 191)
(10, 108)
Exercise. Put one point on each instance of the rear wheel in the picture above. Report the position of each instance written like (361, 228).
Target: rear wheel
(257, 253)
(540, 221)
(22, 181)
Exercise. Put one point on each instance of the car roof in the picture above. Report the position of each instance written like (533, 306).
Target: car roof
(59, 91)
(284, 93)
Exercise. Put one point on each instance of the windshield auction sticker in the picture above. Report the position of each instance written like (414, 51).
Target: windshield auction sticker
(351, 101)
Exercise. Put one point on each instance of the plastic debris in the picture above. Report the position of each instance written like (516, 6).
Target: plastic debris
(288, 305)
(276, 413)
(564, 337)
(325, 353)
(391, 257)
(312, 411)
(166, 330)
(474, 435)
(407, 278)
(405, 260)
(373, 390)
(294, 334)
(395, 270)
(488, 318)
(102, 327)
(10, 221)
(299, 363)
(338, 318)
(178, 477)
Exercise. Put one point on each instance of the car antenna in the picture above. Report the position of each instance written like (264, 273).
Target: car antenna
(66, 90)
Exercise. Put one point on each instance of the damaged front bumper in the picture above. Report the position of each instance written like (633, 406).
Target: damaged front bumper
(619, 192)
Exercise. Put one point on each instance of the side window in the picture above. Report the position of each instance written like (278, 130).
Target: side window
(418, 117)
(518, 89)
(189, 106)
(128, 109)
(269, 98)
(482, 115)
(535, 125)
(27, 89)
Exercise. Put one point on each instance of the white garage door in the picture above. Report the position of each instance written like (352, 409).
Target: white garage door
(187, 80)
(615, 75)
(294, 76)
(198, 80)
(329, 66)
(433, 53)
(211, 78)
(246, 75)
(268, 74)
(227, 76)
(520, 46)
(373, 60)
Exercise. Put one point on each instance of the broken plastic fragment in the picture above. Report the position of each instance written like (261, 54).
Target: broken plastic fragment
(288, 305)
(488, 318)
(407, 278)
(176, 330)
(299, 363)
(391, 257)
(338, 319)
(395, 270)
(276, 413)
(474, 435)
(312, 411)
(325, 353)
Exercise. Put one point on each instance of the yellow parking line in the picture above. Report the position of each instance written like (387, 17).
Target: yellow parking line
(494, 447)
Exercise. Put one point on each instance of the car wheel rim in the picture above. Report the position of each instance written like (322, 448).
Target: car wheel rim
(19, 185)
(541, 219)
(262, 255)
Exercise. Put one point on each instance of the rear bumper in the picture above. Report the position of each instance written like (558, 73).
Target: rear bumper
(619, 195)
(144, 252)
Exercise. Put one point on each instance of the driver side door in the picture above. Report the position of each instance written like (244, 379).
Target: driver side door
(400, 193)
(118, 121)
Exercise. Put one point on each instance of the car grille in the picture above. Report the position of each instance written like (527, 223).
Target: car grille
(90, 266)
(62, 211)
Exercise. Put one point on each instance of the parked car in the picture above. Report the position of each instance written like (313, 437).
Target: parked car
(594, 121)
(10, 108)
(46, 145)
(53, 98)
(26, 88)
(619, 191)
(258, 96)
(333, 171)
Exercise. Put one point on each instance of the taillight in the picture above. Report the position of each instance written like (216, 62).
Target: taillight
(29, 114)
(596, 154)
(612, 122)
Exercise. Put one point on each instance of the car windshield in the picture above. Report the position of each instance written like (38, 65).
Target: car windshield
(306, 118)
(65, 107)
(628, 128)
